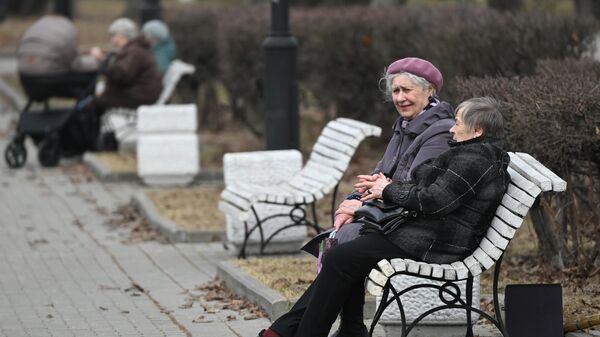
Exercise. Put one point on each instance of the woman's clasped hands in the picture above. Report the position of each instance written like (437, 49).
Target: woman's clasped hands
(371, 186)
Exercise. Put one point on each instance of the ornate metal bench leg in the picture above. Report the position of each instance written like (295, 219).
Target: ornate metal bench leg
(248, 232)
(469, 295)
(380, 309)
(498, 314)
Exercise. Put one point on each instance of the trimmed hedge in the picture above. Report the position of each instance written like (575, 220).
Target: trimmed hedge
(343, 51)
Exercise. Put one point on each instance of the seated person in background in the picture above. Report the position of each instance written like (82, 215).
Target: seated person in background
(455, 196)
(132, 76)
(49, 61)
(163, 45)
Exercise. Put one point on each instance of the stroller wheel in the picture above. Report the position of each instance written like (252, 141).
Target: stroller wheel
(49, 152)
(15, 155)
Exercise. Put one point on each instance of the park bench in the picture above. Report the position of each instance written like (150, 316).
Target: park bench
(528, 179)
(282, 194)
(123, 121)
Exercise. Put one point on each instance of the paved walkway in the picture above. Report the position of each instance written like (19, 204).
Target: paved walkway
(64, 272)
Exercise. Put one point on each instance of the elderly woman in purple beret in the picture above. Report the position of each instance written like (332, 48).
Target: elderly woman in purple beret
(454, 197)
(420, 132)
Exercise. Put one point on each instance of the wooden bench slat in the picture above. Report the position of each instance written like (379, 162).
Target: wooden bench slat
(490, 249)
(521, 182)
(449, 272)
(386, 267)
(341, 161)
(473, 265)
(326, 151)
(368, 129)
(326, 172)
(461, 269)
(509, 217)
(374, 289)
(378, 277)
(558, 184)
(425, 269)
(412, 266)
(340, 137)
(486, 261)
(496, 239)
(529, 172)
(398, 264)
(502, 228)
(319, 158)
(349, 130)
(334, 144)
(437, 270)
(514, 205)
(520, 195)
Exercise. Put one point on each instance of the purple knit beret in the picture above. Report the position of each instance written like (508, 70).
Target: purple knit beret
(419, 67)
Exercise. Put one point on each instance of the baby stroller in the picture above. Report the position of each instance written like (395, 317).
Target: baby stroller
(56, 132)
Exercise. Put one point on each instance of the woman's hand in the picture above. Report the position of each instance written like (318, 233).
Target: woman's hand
(376, 190)
(365, 182)
(345, 213)
(97, 53)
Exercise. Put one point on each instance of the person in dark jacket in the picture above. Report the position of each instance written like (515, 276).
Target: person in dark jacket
(455, 196)
(419, 133)
(132, 75)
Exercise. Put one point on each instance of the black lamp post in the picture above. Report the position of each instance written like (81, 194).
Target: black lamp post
(150, 10)
(3, 10)
(63, 7)
(281, 89)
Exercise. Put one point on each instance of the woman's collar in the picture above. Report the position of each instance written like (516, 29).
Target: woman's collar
(480, 139)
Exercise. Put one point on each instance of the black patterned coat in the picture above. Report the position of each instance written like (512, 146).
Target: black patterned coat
(456, 196)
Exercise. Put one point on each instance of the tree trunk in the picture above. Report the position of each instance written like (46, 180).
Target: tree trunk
(550, 246)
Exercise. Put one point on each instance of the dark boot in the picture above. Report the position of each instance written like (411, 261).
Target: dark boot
(268, 333)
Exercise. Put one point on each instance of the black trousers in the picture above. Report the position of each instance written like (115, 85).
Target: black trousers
(340, 284)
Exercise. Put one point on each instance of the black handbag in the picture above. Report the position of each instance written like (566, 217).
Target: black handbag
(381, 216)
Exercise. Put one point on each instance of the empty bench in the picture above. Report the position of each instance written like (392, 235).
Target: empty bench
(266, 193)
(528, 179)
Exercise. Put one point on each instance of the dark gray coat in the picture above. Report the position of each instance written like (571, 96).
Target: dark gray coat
(456, 196)
(423, 138)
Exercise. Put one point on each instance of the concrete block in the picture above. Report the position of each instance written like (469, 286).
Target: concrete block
(417, 301)
(264, 168)
(165, 159)
(167, 118)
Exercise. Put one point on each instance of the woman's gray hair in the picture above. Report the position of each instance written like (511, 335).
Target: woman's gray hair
(483, 113)
(388, 79)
